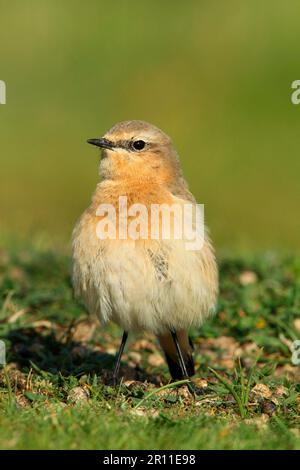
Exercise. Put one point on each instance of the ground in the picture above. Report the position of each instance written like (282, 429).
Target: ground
(56, 391)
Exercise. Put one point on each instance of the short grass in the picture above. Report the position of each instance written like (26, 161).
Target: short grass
(56, 392)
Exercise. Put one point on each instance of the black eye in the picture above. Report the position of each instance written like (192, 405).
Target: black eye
(138, 145)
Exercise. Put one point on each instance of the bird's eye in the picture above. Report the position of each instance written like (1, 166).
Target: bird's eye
(138, 145)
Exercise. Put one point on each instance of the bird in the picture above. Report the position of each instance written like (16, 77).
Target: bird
(143, 283)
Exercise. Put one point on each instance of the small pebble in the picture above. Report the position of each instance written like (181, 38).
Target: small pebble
(77, 395)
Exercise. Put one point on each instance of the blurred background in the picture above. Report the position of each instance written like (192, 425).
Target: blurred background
(214, 75)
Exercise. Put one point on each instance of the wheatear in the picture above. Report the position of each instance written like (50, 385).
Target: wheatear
(136, 276)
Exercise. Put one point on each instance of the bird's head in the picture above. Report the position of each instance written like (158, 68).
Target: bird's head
(136, 148)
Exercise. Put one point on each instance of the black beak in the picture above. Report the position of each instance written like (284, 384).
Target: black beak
(103, 143)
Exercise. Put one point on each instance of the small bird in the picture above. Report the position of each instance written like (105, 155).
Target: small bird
(143, 282)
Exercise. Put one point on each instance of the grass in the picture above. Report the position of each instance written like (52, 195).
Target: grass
(56, 392)
(241, 390)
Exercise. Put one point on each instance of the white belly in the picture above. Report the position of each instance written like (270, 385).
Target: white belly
(144, 285)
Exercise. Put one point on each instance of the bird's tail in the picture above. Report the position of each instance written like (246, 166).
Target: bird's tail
(169, 348)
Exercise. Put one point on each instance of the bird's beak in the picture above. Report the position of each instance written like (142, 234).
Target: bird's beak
(103, 143)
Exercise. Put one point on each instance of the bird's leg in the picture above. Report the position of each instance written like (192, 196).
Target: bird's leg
(185, 375)
(118, 357)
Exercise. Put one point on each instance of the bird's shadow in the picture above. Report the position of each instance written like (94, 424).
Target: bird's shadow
(29, 347)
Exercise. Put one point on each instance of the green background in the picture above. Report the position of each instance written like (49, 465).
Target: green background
(214, 75)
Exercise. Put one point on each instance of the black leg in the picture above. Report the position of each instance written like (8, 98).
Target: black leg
(118, 357)
(180, 356)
